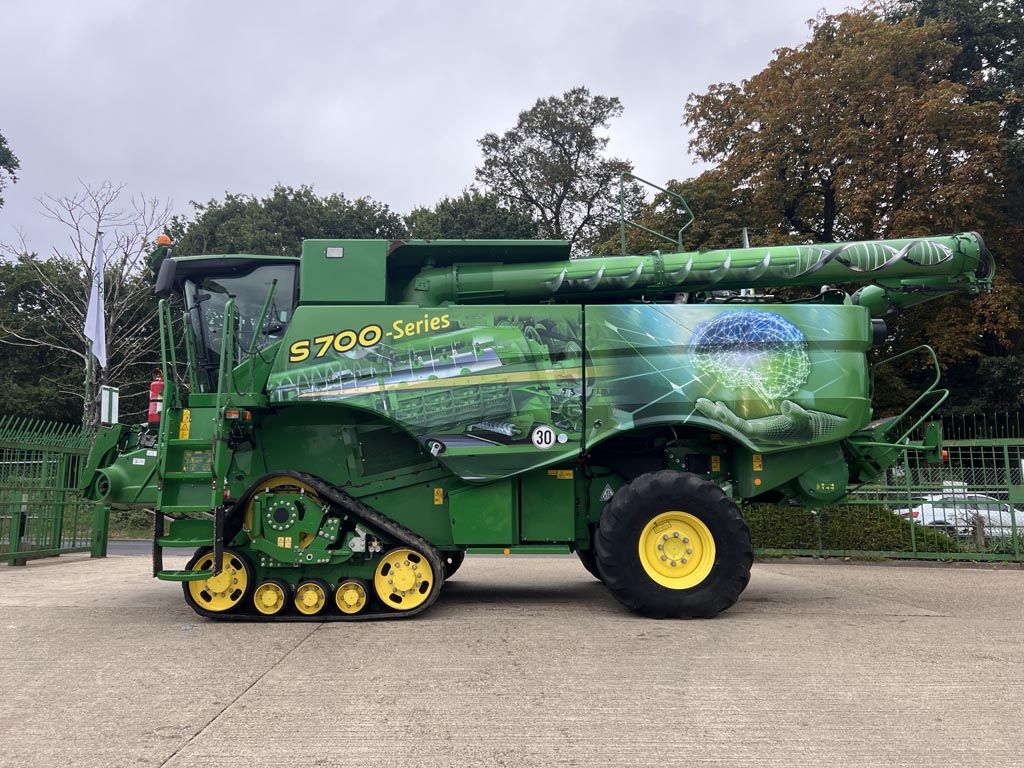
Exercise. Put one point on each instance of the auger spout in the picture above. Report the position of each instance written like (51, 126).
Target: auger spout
(925, 266)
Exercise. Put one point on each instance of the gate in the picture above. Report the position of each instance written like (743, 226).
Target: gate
(969, 507)
(41, 512)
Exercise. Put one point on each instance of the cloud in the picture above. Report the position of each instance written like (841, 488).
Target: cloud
(188, 100)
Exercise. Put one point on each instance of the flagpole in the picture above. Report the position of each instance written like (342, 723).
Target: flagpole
(88, 382)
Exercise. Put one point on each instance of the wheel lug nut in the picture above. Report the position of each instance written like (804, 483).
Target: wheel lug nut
(684, 561)
(664, 537)
(663, 557)
(661, 546)
(686, 540)
(673, 563)
(675, 534)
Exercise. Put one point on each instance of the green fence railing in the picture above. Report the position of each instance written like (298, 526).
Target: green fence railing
(41, 512)
(969, 507)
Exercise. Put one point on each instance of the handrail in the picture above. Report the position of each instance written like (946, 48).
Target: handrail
(225, 369)
(931, 389)
(623, 221)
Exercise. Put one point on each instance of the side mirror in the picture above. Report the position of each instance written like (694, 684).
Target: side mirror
(165, 279)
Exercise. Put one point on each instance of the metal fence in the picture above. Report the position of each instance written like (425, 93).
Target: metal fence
(969, 507)
(41, 512)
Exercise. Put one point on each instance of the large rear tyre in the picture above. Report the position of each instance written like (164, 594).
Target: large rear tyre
(671, 545)
(588, 557)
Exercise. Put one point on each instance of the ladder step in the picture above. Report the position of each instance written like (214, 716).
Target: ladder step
(183, 575)
(182, 509)
(193, 442)
(169, 541)
(188, 476)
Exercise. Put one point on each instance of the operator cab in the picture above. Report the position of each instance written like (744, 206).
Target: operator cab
(265, 291)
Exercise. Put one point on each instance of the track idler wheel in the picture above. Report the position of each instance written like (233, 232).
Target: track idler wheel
(312, 596)
(403, 579)
(272, 596)
(223, 592)
(351, 596)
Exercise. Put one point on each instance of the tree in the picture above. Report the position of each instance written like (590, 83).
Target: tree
(552, 163)
(34, 381)
(8, 166)
(990, 65)
(860, 133)
(49, 312)
(472, 216)
(277, 224)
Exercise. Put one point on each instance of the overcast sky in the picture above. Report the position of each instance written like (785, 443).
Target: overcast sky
(189, 100)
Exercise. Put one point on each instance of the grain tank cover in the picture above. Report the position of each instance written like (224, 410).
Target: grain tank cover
(343, 272)
(360, 271)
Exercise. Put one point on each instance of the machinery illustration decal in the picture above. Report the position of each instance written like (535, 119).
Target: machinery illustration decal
(488, 392)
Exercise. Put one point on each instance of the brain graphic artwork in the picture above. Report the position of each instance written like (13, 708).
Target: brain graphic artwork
(761, 351)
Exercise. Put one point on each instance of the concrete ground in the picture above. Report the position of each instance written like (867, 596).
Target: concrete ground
(522, 662)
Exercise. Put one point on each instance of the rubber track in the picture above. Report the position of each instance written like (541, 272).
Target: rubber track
(363, 513)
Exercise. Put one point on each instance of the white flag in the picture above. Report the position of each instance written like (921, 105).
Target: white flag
(95, 318)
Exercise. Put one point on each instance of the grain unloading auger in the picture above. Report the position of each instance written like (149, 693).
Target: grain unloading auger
(346, 425)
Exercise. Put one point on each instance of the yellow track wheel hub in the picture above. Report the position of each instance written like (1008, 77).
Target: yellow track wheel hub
(282, 484)
(677, 550)
(311, 597)
(270, 598)
(225, 590)
(403, 579)
(350, 596)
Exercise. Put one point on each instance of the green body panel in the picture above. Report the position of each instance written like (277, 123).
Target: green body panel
(483, 515)
(548, 501)
(339, 271)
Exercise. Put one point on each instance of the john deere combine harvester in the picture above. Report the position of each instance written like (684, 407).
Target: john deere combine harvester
(347, 424)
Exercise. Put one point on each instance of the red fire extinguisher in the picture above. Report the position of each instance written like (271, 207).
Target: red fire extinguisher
(156, 399)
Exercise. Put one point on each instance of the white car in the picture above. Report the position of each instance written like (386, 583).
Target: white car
(959, 513)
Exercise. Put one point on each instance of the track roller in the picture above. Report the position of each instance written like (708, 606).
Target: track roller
(311, 596)
(272, 596)
(223, 592)
(403, 579)
(351, 596)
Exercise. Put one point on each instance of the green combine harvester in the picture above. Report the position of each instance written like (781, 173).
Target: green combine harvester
(347, 424)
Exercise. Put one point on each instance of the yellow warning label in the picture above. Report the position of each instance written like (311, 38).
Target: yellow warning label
(758, 466)
(284, 541)
(561, 474)
(186, 425)
(716, 463)
(439, 496)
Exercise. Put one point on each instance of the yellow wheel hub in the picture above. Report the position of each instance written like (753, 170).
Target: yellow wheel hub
(403, 579)
(281, 484)
(677, 550)
(350, 597)
(310, 597)
(270, 598)
(225, 590)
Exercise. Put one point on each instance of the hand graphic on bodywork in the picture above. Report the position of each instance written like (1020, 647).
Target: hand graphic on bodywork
(794, 423)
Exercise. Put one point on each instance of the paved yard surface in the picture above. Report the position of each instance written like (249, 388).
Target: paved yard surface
(522, 662)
